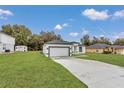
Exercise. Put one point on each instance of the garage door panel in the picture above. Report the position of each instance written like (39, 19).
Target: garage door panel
(59, 51)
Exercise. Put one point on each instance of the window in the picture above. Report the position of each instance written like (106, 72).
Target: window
(80, 49)
(4, 46)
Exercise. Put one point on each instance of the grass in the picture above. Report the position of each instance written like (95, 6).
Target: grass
(33, 69)
(107, 58)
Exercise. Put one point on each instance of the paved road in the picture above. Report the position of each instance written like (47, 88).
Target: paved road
(93, 73)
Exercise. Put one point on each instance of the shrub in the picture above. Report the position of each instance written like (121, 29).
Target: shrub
(107, 52)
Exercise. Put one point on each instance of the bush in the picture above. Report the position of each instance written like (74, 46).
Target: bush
(107, 52)
(7, 50)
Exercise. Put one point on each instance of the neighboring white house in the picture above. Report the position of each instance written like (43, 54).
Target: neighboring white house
(21, 48)
(6, 43)
(58, 48)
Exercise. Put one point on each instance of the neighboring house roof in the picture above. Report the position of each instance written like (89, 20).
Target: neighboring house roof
(117, 46)
(58, 42)
(98, 46)
(20, 46)
(6, 34)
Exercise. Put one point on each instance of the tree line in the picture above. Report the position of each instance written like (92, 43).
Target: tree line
(86, 40)
(24, 36)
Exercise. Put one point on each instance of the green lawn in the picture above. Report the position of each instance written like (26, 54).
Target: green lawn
(33, 69)
(107, 58)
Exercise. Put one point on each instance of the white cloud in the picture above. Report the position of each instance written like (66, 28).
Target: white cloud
(118, 14)
(102, 35)
(84, 31)
(74, 34)
(5, 13)
(115, 37)
(3, 17)
(58, 27)
(65, 25)
(96, 15)
(71, 19)
(118, 35)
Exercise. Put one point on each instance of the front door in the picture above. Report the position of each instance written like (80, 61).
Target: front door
(80, 49)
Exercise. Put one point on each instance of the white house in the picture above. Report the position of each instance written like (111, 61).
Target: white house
(21, 48)
(58, 48)
(6, 43)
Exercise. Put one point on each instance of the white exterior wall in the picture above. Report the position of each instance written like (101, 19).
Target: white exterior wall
(75, 49)
(83, 49)
(1, 47)
(9, 47)
(46, 47)
(6, 39)
(6, 43)
(121, 52)
(21, 48)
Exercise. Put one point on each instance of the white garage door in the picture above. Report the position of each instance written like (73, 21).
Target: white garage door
(58, 51)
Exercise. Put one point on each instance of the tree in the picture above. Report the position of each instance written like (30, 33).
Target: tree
(95, 40)
(34, 43)
(37, 40)
(23, 36)
(85, 40)
(7, 29)
(100, 40)
(20, 32)
(49, 36)
(104, 40)
(119, 41)
(59, 37)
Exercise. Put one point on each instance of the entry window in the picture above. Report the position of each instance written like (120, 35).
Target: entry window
(80, 49)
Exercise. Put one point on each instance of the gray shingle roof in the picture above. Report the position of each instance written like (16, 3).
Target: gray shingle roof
(58, 42)
(73, 42)
(118, 47)
(98, 46)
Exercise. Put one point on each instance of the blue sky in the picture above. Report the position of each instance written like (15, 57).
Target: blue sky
(72, 22)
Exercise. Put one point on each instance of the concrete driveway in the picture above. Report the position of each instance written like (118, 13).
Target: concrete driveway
(93, 73)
